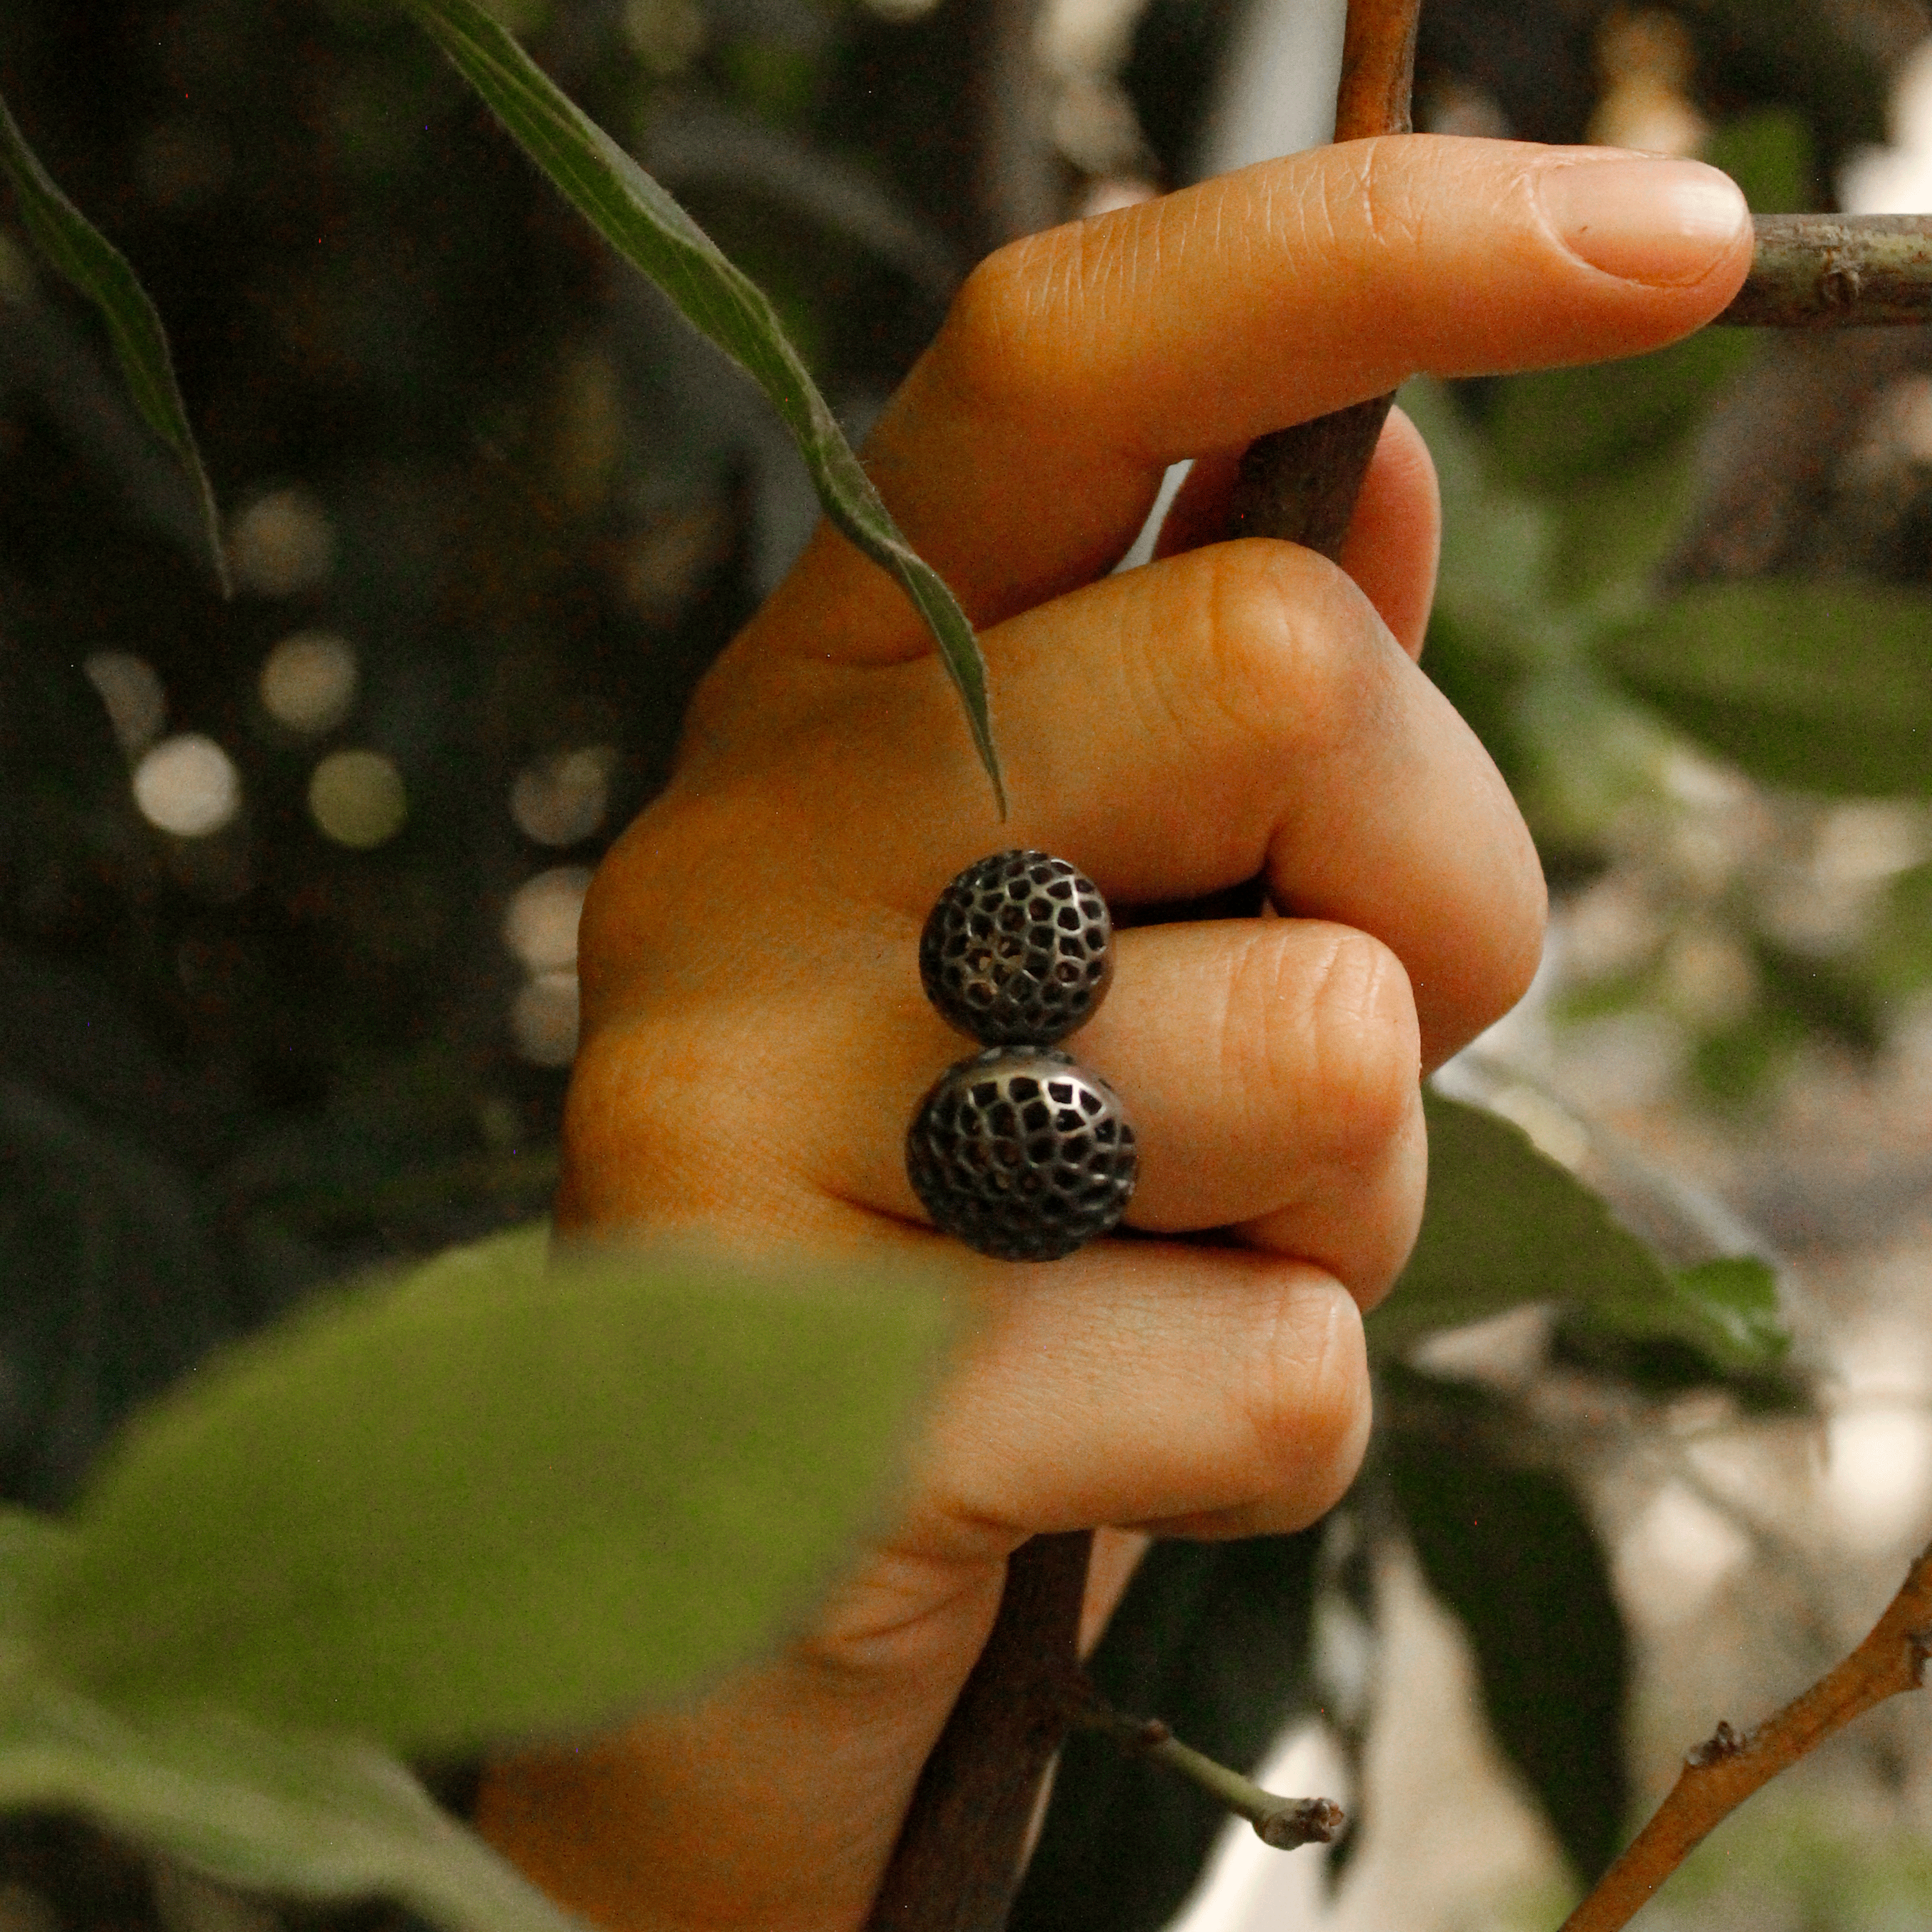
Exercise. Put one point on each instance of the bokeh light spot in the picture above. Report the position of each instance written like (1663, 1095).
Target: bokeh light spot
(543, 1017)
(540, 923)
(282, 543)
(561, 798)
(357, 799)
(308, 681)
(188, 785)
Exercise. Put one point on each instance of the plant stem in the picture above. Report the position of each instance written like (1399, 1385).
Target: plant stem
(1721, 1774)
(1378, 69)
(1837, 271)
(957, 1865)
(1283, 1822)
(1300, 483)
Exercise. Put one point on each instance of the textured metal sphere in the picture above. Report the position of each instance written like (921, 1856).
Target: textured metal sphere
(1021, 1154)
(1019, 951)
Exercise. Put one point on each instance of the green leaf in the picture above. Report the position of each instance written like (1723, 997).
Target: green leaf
(1768, 154)
(1494, 581)
(1510, 1550)
(28, 1542)
(1825, 684)
(1556, 428)
(1616, 528)
(1726, 1309)
(1213, 1638)
(1504, 1225)
(640, 219)
(495, 1500)
(313, 1818)
(1901, 947)
(101, 272)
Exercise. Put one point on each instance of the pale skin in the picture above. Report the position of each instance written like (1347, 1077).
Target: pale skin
(1230, 709)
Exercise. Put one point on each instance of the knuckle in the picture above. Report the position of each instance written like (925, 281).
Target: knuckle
(1286, 651)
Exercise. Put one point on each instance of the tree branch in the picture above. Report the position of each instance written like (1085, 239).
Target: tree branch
(956, 1867)
(1721, 1773)
(1837, 271)
(1300, 483)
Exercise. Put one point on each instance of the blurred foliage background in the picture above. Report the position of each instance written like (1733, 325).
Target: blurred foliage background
(289, 885)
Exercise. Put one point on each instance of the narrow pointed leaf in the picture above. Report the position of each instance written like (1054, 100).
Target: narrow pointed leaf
(635, 214)
(498, 1500)
(101, 272)
(317, 1819)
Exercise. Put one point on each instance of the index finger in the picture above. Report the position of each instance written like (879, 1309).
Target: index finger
(1025, 448)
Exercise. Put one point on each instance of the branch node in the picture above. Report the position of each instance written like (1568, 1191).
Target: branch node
(1723, 1742)
(1302, 1821)
(1840, 285)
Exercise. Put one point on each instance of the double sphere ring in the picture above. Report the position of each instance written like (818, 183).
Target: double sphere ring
(1018, 1151)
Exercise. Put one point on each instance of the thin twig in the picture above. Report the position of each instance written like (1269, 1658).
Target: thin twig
(1837, 271)
(1285, 1823)
(1721, 1773)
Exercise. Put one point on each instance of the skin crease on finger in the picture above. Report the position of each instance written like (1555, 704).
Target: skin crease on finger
(1201, 1390)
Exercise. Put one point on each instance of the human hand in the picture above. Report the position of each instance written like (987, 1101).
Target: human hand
(755, 1037)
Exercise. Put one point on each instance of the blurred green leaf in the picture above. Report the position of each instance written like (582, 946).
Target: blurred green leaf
(1836, 996)
(1901, 947)
(1213, 1638)
(1825, 684)
(1738, 1064)
(1768, 154)
(1726, 1309)
(1556, 428)
(1482, 682)
(1614, 529)
(1505, 1225)
(493, 1499)
(1661, 1368)
(1495, 571)
(101, 272)
(29, 1541)
(312, 1818)
(639, 219)
(1511, 1551)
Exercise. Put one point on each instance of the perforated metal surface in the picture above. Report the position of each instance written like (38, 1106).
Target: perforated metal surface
(1019, 951)
(1021, 1154)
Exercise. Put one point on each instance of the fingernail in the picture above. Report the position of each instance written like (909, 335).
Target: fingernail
(1647, 219)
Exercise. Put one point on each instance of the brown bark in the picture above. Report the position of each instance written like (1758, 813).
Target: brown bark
(957, 1865)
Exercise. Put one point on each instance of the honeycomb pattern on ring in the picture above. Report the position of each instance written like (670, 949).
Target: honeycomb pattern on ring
(1018, 950)
(1022, 1154)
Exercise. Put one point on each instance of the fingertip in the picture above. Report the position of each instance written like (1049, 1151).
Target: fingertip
(1654, 220)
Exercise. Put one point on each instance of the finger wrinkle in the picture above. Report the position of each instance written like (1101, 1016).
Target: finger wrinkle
(1305, 1404)
(1364, 1041)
